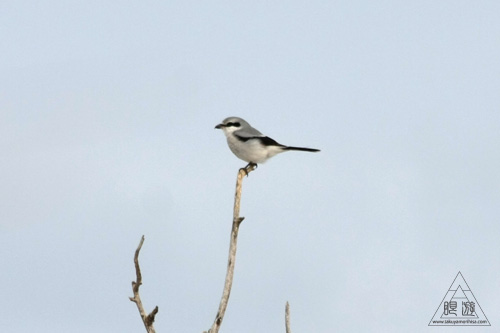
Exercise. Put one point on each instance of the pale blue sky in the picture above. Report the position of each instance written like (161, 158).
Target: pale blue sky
(107, 115)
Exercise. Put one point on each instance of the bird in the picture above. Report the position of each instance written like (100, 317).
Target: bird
(250, 145)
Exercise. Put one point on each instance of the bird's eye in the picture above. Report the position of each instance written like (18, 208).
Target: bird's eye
(229, 124)
(236, 124)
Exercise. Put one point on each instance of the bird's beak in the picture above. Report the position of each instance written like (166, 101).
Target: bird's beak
(219, 126)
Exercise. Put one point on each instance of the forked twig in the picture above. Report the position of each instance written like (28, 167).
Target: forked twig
(147, 319)
(232, 248)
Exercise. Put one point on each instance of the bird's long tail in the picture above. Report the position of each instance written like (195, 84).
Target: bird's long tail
(312, 150)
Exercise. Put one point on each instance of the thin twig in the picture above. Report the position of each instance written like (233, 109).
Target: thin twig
(287, 318)
(232, 249)
(147, 319)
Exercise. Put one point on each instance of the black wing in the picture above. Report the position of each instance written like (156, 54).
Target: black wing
(265, 140)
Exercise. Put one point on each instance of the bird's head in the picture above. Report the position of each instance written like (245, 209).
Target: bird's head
(232, 124)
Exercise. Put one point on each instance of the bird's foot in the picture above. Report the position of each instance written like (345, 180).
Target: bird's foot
(249, 168)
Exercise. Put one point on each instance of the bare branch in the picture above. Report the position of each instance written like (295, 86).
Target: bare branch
(287, 318)
(147, 319)
(232, 248)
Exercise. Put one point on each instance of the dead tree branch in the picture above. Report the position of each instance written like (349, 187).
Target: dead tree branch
(232, 248)
(287, 318)
(148, 319)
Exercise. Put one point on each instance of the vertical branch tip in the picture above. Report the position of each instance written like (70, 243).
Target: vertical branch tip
(232, 248)
(287, 318)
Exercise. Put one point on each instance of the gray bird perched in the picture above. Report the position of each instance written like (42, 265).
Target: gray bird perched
(249, 144)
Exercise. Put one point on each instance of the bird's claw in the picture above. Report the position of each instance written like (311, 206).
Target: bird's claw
(249, 167)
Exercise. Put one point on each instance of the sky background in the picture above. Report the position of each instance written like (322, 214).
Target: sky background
(107, 115)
